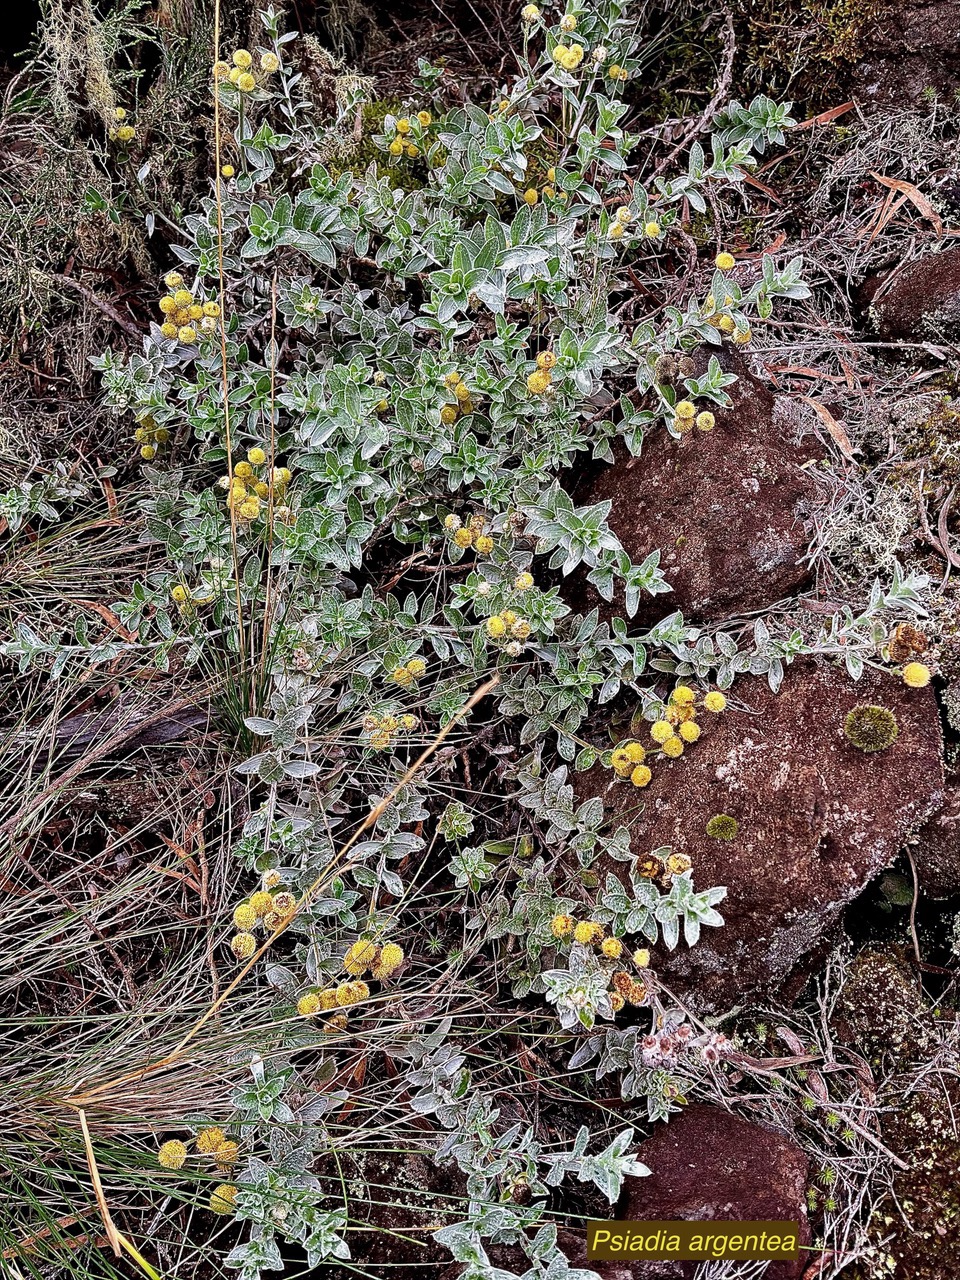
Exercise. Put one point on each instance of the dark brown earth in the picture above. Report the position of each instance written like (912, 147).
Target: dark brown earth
(937, 851)
(817, 818)
(919, 302)
(727, 508)
(908, 51)
(709, 1164)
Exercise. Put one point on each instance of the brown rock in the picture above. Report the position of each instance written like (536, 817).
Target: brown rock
(817, 818)
(909, 50)
(919, 302)
(708, 1164)
(725, 508)
(937, 851)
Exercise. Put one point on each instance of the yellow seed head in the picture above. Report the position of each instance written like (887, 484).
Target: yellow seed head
(308, 1005)
(714, 701)
(242, 59)
(916, 675)
(389, 960)
(689, 731)
(531, 196)
(496, 627)
(244, 917)
(641, 775)
(561, 926)
(209, 1139)
(359, 957)
(223, 1199)
(661, 730)
(725, 261)
(172, 1155)
(673, 747)
(612, 948)
(243, 945)
(262, 902)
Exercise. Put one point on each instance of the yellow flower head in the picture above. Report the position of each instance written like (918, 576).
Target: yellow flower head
(182, 297)
(412, 150)
(269, 62)
(403, 126)
(172, 1154)
(169, 330)
(624, 214)
(396, 147)
(529, 13)
(249, 508)
(328, 999)
(209, 1139)
(283, 903)
(689, 731)
(546, 360)
(256, 457)
(683, 695)
(725, 324)
(616, 1001)
(195, 312)
(742, 336)
(530, 196)
(223, 1199)
(187, 334)
(562, 925)
(425, 119)
(568, 22)
(448, 415)
(402, 676)
(484, 544)
(226, 1155)
(725, 261)
(641, 958)
(651, 229)
(126, 133)
(523, 581)
(120, 113)
(636, 752)
(243, 945)
(148, 453)
(587, 932)
(673, 747)
(227, 171)
(641, 775)
(496, 627)
(463, 537)
(168, 304)
(244, 917)
(246, 82)
(612, 948)
(714, 701)
(416, 667)
(308, 1004)
(661, 730)
(621, 763)
(242, 59)
(360, 956)
(221, 70)
(262, 902)
(685, 409)
(179, 594)
(916, 675)
(235, 74)
(706, 421)
(520, 630)
(538, 381)
(388, 961)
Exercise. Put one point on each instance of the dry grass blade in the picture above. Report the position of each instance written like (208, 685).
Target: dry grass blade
(837, 432)
(915, 196)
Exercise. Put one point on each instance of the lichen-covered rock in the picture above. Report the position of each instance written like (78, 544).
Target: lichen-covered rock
(725, 508)
(816, 817)
(922, 301)
(937, 851)
(709, 1164)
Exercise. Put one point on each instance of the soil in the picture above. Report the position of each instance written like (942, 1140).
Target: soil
(818, 819)
(909, 52)
(937, 851)
(919, 302)
(727, 508)
(709, 1164)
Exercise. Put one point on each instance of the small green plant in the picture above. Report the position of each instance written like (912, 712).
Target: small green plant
(722, 827)
(871, 728)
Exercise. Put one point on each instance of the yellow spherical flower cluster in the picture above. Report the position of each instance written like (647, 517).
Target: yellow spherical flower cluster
(223, 1199)
(618, 73)
(508, 629)
(462, 403)
(150, 437)
(529, 13)
(240, 74)
(472, 534)
(409, 673)
(359, 957)
(562, 925)
(686, 417)
(349, 993)
(122, 131)
(678, 725)
(184, 317)
(568, 57)
(540, 380)
(588, 932)
(389, 959)
(408, 137)
(172, 1154)
(382, 730)
(724, 261)
(621, 221)
(916, 675)
(215, 1142)
(250, 489)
